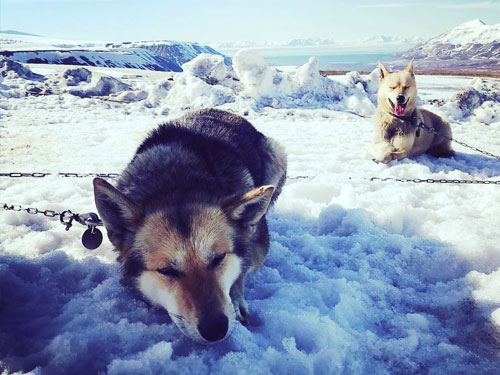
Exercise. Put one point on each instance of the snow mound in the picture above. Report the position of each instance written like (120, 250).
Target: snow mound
(337, 294)
(159, 92)
(130, 96)
(205, 82)
(104, 86)
(304, 87)
(253, 85)
(75, 76)
(13, 69)
(189, 92)
(209, 68)
(369, 83)
(481, 100)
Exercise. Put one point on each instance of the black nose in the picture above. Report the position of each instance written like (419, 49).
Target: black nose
(213, 327)
(401, 99)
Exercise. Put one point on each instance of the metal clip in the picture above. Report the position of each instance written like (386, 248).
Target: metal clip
(66, 218)
(88, 219)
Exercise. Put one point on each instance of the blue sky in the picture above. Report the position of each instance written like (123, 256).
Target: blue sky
(226, 20)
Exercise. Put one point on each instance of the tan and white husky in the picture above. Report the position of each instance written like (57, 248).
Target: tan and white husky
(396, 134)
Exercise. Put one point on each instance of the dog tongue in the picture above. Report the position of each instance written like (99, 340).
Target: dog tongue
(400, 110)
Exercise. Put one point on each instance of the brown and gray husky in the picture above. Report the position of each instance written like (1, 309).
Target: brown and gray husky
(396, 134)
(187, 216)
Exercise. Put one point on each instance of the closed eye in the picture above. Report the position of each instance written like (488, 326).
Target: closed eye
(394, 87)
(170, 272)
(217, 260)
(406, 87)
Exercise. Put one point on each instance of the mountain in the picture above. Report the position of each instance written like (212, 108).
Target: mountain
(15, 32)
(155, 55)
(176, 52)
(310, 42)
(473, 40)
(136, 58)
(379, 42)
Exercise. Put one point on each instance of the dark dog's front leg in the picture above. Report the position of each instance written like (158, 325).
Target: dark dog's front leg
(237, 297)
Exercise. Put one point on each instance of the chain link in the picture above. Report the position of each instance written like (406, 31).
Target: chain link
(63, 174)
(431, 130)
(51, 213)
(66, 217)
(437, 181)
(30, 210)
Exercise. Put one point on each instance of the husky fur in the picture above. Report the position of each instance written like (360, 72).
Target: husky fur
(395, 133)
(188, 218)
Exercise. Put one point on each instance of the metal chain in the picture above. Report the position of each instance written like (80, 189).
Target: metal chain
(437, 181)
(63, 174)
(66, 217)
(293, 178)
(30, 210)
(431, 130)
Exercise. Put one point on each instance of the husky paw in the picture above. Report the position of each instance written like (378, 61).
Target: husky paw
(241, 310)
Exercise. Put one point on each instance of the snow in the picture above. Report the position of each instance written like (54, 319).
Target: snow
(320, 46)
(163, 55)
(75, 76)
(475, 31)
(471, 45)
(362, 277)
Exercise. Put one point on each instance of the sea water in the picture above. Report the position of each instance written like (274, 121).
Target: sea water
(353, 61)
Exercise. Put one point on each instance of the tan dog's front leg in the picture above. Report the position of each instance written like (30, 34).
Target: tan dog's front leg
(383, 151)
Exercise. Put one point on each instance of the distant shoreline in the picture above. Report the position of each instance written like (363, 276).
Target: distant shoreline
(460, 73)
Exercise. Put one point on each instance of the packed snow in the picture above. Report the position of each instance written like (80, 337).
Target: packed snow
(363, 277)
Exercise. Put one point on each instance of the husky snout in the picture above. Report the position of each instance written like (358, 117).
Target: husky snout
(214, 326)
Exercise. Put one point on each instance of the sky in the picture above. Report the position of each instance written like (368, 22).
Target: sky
(230, 21)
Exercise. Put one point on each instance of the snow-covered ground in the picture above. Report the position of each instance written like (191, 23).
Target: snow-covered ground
(362, 277)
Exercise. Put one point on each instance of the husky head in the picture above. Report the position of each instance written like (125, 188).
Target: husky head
(397, 92)
(186, 257)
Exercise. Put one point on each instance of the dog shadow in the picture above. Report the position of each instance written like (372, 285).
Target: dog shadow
(330, 285)
(472, 164)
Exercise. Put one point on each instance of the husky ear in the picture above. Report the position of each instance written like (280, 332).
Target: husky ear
(382, 71)
(249, 208)
(117, 212)
(409, 68)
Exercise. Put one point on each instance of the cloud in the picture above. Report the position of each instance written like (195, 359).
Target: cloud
(388, 5)
(60, 1)
(473, 5)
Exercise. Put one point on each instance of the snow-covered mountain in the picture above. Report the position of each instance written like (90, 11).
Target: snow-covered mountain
(158, 55)
(177, 52)
(136, 58)
(310, 42)
(379, 41)
(470, 40)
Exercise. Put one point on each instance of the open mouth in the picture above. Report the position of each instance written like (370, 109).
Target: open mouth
(399, 108)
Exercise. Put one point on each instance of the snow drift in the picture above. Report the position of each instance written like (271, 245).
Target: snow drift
(481, 101)
(253, 85)
(13, 69)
